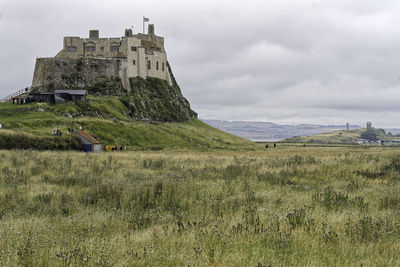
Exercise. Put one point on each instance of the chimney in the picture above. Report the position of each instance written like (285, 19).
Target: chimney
(150, 29)
(94, 34)
(128, 33)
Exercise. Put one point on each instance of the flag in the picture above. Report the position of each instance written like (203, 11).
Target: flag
(146, 19)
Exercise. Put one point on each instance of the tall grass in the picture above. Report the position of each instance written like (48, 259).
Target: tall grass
(288, 206)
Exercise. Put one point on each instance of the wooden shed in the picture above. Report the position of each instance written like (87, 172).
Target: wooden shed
(88, 142)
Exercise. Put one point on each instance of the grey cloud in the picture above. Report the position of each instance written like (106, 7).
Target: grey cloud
(303, 61)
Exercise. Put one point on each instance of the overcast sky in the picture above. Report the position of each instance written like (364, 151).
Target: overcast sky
(283, 61)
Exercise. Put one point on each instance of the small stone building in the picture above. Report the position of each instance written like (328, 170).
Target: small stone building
(88, 142)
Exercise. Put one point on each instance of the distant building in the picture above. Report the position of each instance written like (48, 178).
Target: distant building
(369, 125)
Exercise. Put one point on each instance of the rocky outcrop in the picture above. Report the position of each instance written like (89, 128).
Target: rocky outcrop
(149, 99)
(98, 76)
(155, 99)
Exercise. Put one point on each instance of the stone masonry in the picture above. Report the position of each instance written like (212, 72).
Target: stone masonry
(133, 55)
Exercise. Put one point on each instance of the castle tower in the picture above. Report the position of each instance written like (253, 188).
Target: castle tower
(128, 33)
(94, 34)
(150, 30)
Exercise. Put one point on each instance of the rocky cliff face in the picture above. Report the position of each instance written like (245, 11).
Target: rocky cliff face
(146, 99)
(95, 75)
(154, 99)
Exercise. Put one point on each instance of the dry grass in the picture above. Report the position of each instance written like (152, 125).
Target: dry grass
(285, 206)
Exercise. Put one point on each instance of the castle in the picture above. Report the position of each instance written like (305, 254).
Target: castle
(133, 55)
(133, 68)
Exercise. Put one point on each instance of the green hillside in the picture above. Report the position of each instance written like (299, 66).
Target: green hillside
(107, 118)
(339, 137)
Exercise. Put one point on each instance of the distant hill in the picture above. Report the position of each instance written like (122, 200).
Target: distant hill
(356, 136)
(267, 131)
(393, 131)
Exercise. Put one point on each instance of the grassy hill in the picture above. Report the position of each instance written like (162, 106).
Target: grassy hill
(337, 137)
(107, 119)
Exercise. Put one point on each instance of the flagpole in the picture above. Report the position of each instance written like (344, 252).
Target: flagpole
(143, 24)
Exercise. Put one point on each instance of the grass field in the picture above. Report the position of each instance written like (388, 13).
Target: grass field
(286, 206)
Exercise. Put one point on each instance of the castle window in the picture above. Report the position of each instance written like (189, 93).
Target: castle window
(134, 62)
(90, 48)
(71, 48)
(148, 51)
(157, 65)
(148, 65)
(102, 48)
(133, 48)
(114, 48)
(162, 66)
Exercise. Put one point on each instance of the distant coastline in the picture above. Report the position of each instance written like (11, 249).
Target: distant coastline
(271, 132)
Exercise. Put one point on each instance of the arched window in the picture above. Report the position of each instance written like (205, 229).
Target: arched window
(157, 65)
(162, 66)
(148, 65)
(90, 48)
(114, 47)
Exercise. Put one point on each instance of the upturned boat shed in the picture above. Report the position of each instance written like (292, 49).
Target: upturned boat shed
(58, 96)
(88, 142)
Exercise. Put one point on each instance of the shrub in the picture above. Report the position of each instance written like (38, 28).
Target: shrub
(153, 164)
(331, 199)
(296, 218)
(369, 135)
(370, 229)
(328, 234)
(352, 186)
(22, 141)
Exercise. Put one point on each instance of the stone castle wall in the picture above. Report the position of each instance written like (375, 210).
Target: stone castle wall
(51, 74)
(140, 55)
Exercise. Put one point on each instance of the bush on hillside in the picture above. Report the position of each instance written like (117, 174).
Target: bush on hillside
(22, 141)
(369, 135)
